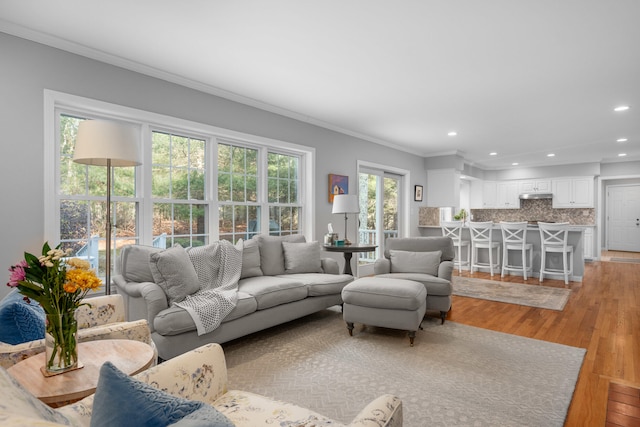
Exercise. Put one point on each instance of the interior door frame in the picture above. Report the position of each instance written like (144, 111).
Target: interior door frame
(404, 196)
(601, 207)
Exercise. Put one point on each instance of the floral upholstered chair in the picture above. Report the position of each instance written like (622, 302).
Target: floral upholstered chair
(182, 382)
(103, 319)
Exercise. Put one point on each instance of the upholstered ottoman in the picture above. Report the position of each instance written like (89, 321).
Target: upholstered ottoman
(388, 303)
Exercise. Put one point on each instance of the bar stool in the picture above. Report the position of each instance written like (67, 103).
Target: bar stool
(481, 233)
(453, 229)
(514, 238)
(553, 238)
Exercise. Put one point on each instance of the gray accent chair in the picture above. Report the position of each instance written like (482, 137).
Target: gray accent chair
(436, 278)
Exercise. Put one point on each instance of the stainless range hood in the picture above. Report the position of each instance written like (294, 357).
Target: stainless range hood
(535, 196)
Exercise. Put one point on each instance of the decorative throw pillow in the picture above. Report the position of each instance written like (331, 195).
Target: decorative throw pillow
(173, 271)
(271, 253)
(134, 263)
(415, 262)
(302, 257)
(20, 321)
(250, 259)
(121, 400)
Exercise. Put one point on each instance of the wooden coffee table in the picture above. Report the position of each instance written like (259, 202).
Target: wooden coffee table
(129, 356)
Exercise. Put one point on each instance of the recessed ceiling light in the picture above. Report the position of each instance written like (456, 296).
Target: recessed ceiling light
(622, 154)
(515, 164)
(452, 133)
(621, 140)
(621, 108)
(493, 153)
(551, 155)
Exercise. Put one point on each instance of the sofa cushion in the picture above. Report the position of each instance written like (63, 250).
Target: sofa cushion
(435, 286)
(270, 291)
(173, 271)
(271, 252)
(249, 409)
(302, 257)
(319, 284)
(421, 244)
(415, 262)
(176, 320)
(119, 398)
(17, 400)
(134, 263)
(250, 259)
(20, 321)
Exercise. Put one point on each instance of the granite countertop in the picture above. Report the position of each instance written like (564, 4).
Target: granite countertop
(572, 227)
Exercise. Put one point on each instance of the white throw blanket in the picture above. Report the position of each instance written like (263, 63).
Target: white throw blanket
(218, 267)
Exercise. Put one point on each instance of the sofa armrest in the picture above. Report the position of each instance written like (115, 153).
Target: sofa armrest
(330, 266)
(445, 270)
(144, 300)
(385, 411)
(100, 310)
(382, 266)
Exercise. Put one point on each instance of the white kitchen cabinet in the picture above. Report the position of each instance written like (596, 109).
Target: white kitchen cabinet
(508, 195)
(573, 192)
(489, 195)
(535, 186)
(587, 243)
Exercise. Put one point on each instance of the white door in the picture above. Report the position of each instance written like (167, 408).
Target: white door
(623, 216)
(379, 194)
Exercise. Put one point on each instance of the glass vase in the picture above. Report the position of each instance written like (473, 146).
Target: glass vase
(61, 342)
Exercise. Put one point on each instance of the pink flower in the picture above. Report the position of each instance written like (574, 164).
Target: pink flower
(17, 273)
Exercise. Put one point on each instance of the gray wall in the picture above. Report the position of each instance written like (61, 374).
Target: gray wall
(28, 68)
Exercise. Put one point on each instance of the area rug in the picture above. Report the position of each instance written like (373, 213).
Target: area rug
(455, 375)
(513, 293)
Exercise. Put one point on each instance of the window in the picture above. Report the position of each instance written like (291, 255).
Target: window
(283, 198)
(238, 209)
(82, 201)
(178, 190)
(172, 197)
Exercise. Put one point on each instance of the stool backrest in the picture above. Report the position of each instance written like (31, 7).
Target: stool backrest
(554, 234)
(452, 229)
(514, 233)
(481, 231)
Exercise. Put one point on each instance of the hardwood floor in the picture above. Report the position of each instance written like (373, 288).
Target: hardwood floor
(602, 316)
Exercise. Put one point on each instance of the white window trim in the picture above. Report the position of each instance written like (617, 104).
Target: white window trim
(54, 100)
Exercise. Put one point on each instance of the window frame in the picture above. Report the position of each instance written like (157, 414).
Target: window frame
(56, 103)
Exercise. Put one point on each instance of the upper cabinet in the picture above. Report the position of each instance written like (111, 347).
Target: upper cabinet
(573, 192)
(494, 195)
(508, 195)
(535, 186)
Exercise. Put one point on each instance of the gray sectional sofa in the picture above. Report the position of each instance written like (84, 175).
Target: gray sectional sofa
(283, 278)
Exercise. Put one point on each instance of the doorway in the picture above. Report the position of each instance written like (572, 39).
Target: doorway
(623, 218)
(380, 194)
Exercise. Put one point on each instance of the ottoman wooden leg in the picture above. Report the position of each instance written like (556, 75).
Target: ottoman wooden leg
(350, 328)
(412, 336)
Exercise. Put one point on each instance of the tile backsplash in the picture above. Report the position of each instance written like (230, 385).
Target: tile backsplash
(530, 210)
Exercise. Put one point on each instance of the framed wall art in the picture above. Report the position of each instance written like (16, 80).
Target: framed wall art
(338, 184)
(417, 193)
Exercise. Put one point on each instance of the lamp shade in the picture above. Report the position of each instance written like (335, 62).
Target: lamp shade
(345, 203)
(99, 140)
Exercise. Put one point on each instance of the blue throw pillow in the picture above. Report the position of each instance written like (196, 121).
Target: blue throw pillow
(121, 400)
(20, 321)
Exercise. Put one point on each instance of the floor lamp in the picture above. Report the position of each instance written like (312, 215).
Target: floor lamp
(345, 203)
(110, 144)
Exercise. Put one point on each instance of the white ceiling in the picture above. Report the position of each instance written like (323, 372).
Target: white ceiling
(523, 78)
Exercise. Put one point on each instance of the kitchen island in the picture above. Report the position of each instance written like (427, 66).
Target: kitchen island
(575, 239)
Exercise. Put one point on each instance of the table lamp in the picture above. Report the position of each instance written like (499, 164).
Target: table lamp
(346, 204)
(110, 144)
